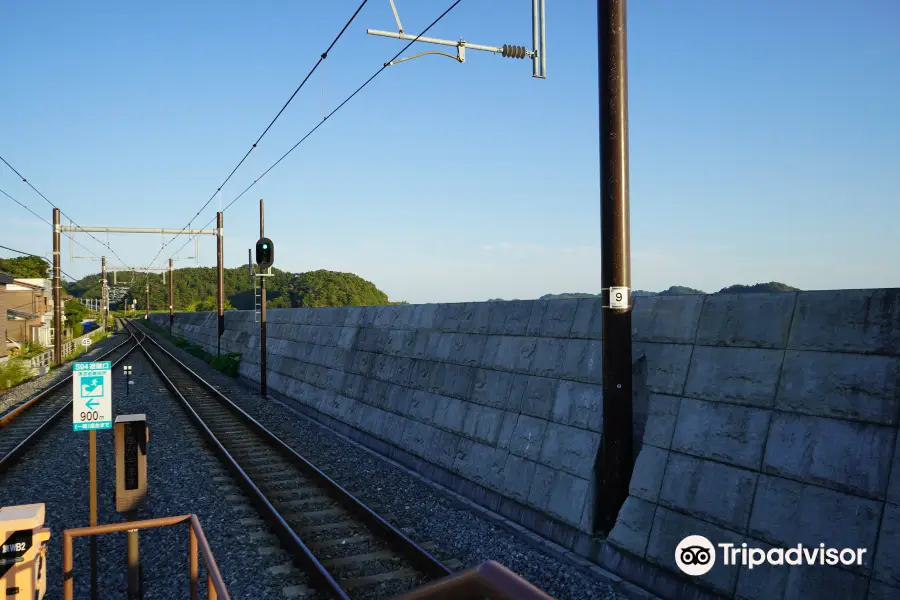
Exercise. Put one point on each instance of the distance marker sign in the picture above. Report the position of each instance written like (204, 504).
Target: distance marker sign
(91, 396)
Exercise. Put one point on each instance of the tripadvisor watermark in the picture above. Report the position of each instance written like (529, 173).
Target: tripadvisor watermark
(695, 555)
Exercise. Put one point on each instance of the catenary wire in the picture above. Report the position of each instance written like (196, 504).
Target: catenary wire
(38, 192)
(40, 257)
(319, 124)
(71, 239)
(321, 59)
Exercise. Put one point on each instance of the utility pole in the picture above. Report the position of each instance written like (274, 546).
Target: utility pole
(147, 303)
(104, 295)
(171, 298)
(616, 457)
(220, 280)
(263, 386)
(57, 304)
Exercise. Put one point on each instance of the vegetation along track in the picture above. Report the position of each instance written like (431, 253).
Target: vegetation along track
(348, 550)
(23, 426)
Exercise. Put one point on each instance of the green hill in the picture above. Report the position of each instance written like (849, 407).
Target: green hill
(772, 286)
(680, 290)
(195, 289)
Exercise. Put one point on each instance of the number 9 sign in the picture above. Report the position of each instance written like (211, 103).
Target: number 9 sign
(618, 297)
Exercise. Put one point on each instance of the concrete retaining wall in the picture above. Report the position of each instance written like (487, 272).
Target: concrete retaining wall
(772, 420)
(499, 401)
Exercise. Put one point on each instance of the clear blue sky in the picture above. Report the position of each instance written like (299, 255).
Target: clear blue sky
(765, 140)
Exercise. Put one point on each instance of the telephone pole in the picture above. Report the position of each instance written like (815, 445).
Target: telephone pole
(220, 284)
(616, 456)
(104, 294)
(57, 303)
(171, 297)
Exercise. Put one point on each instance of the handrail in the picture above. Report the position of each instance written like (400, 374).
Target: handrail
(489, 580)
(215, 584)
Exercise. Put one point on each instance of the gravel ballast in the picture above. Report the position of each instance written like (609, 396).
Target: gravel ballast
(183, 477)
(423, 512)
(11, 398)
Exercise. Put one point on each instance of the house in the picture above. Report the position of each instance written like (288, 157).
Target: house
(5, 279)
(28, 306)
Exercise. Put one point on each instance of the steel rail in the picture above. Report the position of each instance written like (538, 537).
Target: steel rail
(283, 531)
(10, 416)
(10, 457)
(421, 558)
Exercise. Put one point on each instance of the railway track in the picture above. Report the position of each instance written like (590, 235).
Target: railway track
(348, 550)
(23, 426)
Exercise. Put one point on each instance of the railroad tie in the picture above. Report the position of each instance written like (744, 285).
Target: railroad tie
(283, 569)
(296, 591)
(356, 582)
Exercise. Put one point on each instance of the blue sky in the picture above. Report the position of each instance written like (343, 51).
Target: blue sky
(765, 140)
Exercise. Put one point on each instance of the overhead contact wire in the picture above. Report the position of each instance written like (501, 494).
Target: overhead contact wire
(320, 123)
(38, 192)
(322, 57)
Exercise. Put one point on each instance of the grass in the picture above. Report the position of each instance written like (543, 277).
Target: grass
(229, 363)
(13, 372)
(18, 370)
(95, 336)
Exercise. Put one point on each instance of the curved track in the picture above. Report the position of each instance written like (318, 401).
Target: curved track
(349, 551)
(23, 426)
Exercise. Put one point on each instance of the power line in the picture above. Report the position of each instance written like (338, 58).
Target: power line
(38, 192)
(71, 239)
(328, 116)
(322, 58)
(40, 257)
(26, 208)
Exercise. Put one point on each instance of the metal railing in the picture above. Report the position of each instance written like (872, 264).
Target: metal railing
(215, 585)
(45, 358)
(489, 580)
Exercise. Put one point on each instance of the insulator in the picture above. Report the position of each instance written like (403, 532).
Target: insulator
(510, 51)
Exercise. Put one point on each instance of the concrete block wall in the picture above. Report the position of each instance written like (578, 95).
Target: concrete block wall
(773, 421)
(505, 396)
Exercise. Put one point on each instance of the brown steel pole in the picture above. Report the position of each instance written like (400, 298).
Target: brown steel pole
(103, 293)
(171, 297)
(57, 303)
(220, 280)
(616, 455)
(263, 387)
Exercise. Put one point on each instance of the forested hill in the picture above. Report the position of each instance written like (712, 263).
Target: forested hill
(195, 289)
(680, 290)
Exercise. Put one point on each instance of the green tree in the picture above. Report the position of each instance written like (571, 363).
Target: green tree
(25, 267)
(74, 310)
(330, 288)
(209, 304)
(772, 286)
(195, 289)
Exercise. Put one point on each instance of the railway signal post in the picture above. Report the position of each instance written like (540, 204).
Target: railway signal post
(220, 284)
(616, 459)
(265, 257)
